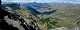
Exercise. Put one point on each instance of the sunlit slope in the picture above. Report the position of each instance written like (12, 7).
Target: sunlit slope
(68, 14)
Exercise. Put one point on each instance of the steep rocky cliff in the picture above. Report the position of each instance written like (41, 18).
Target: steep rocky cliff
(13, 21)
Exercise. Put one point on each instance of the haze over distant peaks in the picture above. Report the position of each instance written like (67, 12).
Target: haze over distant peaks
(42, 1)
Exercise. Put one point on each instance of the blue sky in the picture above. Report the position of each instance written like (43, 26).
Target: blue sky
(43, 1)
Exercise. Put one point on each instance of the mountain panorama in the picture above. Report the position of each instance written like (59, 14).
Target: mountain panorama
(40, 16)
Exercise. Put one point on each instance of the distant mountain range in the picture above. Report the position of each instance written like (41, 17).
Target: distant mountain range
(41, 7)
(14, 6)
(47, 7)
